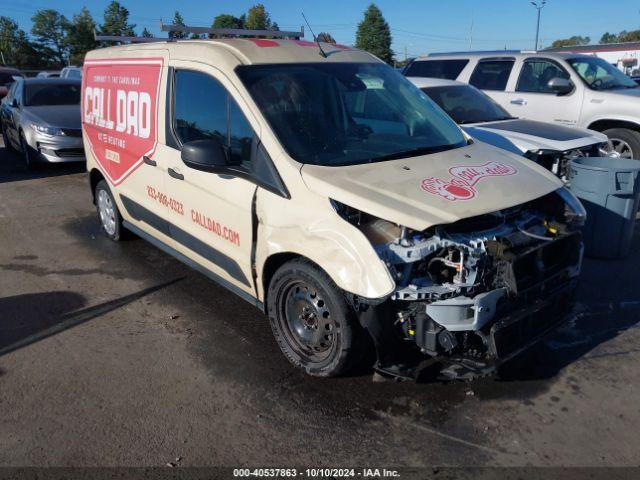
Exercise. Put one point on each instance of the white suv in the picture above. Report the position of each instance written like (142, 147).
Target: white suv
(565, 88)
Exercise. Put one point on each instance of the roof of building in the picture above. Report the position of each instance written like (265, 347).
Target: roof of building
(607, 47)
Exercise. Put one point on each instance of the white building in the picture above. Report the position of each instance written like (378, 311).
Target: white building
(625, 56)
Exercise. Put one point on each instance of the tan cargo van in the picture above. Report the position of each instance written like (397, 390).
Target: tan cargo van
(324, 188)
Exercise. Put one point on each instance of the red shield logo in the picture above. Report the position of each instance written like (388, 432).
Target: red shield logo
(120, 112)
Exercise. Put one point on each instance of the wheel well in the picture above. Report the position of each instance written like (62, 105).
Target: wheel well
(602, 125)
(273, 263)
(94, 178)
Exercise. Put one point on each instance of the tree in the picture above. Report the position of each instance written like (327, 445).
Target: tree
(8, 39)
(225, 20)
(609, 38)
(116, 21)
(178, 20)
(571, 42)
(326, 37)
(25, 55)
(258, 18)
(81, 36)
(50, 29)
(146, 33)
(632, 36)
(374, 35)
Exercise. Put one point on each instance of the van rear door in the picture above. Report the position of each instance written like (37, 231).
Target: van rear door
(121, 103)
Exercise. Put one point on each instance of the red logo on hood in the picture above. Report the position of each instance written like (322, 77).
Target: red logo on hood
(465, 177)
(120, 112)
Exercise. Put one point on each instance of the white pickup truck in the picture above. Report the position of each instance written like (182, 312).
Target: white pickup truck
(565, 88)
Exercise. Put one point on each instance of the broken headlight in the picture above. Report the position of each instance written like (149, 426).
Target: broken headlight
(575, 213)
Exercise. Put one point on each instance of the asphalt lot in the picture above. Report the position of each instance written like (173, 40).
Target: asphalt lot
(115, 354)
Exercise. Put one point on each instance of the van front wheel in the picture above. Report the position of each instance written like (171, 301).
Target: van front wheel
(315, 327)
(108, 214)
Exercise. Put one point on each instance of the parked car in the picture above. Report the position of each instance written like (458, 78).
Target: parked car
(41, 120)
(564, 88)
(71, 72)
(548, 144)
(7, 77)
(48, 74)
(328, 191)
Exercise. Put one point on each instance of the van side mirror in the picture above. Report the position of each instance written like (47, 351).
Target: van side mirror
(206, 155)
(561, 86)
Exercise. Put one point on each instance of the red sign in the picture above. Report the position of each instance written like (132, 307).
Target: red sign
(120, 112)
(465, 177)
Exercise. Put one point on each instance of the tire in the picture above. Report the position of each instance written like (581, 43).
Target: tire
(314, 326)
(108, 213)
(626, 142)
(28, 155)
(5, 139)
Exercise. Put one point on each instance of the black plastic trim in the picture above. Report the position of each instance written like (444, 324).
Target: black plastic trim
(194, 244)
(187, 261)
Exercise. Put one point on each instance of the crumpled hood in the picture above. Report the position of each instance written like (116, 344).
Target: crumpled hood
(434, 189)
(520, 136)
(61, 116)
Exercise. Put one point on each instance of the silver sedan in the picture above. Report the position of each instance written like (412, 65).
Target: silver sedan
(41, 120)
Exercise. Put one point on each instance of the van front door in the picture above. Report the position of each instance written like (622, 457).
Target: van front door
(213, 226)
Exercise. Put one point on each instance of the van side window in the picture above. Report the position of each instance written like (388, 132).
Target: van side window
(535, 76)
(491, 74)
(204, 109)
(447, 69)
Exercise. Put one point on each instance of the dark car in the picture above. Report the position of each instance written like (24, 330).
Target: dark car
(7, 77)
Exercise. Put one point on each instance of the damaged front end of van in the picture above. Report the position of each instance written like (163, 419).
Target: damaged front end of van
(476, 292)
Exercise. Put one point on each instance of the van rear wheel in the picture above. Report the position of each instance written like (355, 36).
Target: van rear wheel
(315, 327)
(108, 213)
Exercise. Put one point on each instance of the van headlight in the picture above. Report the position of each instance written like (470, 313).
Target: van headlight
(574, 212)
(46, 130)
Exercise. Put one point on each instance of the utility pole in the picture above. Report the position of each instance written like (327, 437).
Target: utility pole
(538, 6)
(471, 32)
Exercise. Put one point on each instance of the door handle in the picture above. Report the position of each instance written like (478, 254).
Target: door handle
(519, 101)
(148, 161)
(174, 174)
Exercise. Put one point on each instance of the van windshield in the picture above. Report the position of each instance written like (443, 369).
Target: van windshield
(348, 113)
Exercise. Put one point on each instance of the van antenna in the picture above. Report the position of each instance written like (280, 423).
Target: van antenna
(322, 54)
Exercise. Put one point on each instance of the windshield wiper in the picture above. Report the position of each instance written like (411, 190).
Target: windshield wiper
(413, 153)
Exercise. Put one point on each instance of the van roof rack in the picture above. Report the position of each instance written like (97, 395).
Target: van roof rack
(225, 32)
(123, 38)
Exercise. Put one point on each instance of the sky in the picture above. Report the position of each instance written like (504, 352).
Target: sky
(417, 26)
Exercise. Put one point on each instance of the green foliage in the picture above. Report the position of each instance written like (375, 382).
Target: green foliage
(326, 37)
(116, 21)
(622, 37)
(178, 20)
(374, 35)
(609, 38)
(225, 20)
(15, 46)
(146, 33)
(571, 42)
(80, 36)
(50, 29)
(258, 18)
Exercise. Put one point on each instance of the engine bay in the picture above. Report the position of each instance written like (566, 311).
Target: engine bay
(457, 284)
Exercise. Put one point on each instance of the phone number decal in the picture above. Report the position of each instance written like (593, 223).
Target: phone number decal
(166, 201)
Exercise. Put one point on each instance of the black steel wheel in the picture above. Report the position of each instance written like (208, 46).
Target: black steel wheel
(315, 327)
